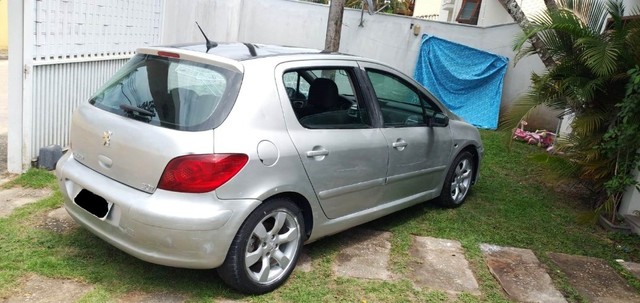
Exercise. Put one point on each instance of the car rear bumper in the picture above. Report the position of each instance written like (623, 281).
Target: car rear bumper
(167, 228)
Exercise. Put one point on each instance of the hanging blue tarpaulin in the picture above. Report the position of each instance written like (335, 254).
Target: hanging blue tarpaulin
(467, 80)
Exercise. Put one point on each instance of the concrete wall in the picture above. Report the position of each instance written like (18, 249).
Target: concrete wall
(388, 38)
(4, 24)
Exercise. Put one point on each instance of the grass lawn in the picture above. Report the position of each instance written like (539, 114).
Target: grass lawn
(513, 204)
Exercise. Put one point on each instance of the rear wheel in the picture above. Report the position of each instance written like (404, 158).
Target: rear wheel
(458, 181)
(266, 248)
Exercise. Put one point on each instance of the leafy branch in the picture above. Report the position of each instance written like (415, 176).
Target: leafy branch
(622, 143)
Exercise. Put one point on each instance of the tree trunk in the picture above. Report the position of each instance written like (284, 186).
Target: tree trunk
(334, 25)
(518, 16)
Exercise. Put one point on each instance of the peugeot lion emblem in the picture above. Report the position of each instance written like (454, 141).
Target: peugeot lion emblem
(106, 138)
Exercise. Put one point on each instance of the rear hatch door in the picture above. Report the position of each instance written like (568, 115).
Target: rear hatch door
(154, 109)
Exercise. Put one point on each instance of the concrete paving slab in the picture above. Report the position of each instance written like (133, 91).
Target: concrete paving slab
(37, 289)
(365, 254)
(520, 274)
(594, 279)
(15, 197)
(633, 268)
(138, 297)
(58, 220)
(440, 264)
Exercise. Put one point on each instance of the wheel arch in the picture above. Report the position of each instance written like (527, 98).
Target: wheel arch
(476, 159)
(303, 204)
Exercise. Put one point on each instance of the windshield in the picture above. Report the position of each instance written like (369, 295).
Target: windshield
(170, 93)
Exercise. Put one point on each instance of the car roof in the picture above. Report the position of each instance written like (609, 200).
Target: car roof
(246, 51)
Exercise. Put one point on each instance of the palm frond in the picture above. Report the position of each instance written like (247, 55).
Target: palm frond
(589, 122)
(600, 56)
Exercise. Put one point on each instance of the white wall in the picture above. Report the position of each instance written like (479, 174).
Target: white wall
(388, 38)
(220, 18)
(491, 13)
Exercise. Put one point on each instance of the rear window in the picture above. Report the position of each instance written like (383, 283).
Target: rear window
(170, 93)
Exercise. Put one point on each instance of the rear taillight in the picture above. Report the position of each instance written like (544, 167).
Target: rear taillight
(201, 173)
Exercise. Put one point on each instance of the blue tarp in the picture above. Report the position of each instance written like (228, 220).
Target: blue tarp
(467, 80)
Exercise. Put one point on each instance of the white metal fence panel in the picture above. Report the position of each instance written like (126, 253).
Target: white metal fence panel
(89, 28)
(57, 90)
(76, 46)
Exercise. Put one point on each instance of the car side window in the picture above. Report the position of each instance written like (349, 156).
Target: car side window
(297, 86)
(329, 101)
(400, 103)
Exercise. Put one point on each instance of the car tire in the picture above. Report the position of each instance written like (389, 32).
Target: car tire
(458, 181)
(266, 248)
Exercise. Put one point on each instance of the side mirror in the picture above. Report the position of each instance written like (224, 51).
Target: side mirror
(439, 120)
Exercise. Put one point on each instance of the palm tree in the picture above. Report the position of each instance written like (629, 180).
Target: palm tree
(514, 10)
(592, 47)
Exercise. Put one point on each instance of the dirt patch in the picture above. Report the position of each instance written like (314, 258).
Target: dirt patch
(304, 262)
(38, 289)
(163, 297)
(58, 221)
(594, 279)
(15, 197)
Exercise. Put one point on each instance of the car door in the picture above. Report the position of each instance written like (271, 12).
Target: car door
(344, 156)
(419, 147)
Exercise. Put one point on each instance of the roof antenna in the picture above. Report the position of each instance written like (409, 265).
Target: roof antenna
(210, 44)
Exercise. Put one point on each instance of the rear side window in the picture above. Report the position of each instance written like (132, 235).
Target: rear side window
(170, 93)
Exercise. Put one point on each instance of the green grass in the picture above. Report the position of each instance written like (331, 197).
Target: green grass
(513, 204)
(33, 178)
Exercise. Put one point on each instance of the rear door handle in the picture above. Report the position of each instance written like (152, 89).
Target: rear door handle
(317, 153)
(400, 144)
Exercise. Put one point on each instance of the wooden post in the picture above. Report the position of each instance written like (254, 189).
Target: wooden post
(334, 25)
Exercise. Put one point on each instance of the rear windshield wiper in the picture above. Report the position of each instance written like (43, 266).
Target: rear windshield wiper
(129, 109)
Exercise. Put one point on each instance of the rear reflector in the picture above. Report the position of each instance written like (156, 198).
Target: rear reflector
(201, 173)
(168, 54)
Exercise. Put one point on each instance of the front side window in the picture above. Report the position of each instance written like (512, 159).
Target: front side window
(400, 103)
(169, 92)
(326, 98)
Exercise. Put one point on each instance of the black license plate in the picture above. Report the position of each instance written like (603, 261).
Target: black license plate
(93, 203)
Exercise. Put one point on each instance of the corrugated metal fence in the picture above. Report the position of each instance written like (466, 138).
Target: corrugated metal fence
(77, 46)
(57, 90)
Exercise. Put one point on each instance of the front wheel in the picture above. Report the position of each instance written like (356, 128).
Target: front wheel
(266, 248)
(458, 181)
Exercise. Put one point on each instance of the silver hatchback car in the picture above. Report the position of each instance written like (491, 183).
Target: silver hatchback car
(233, 157)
